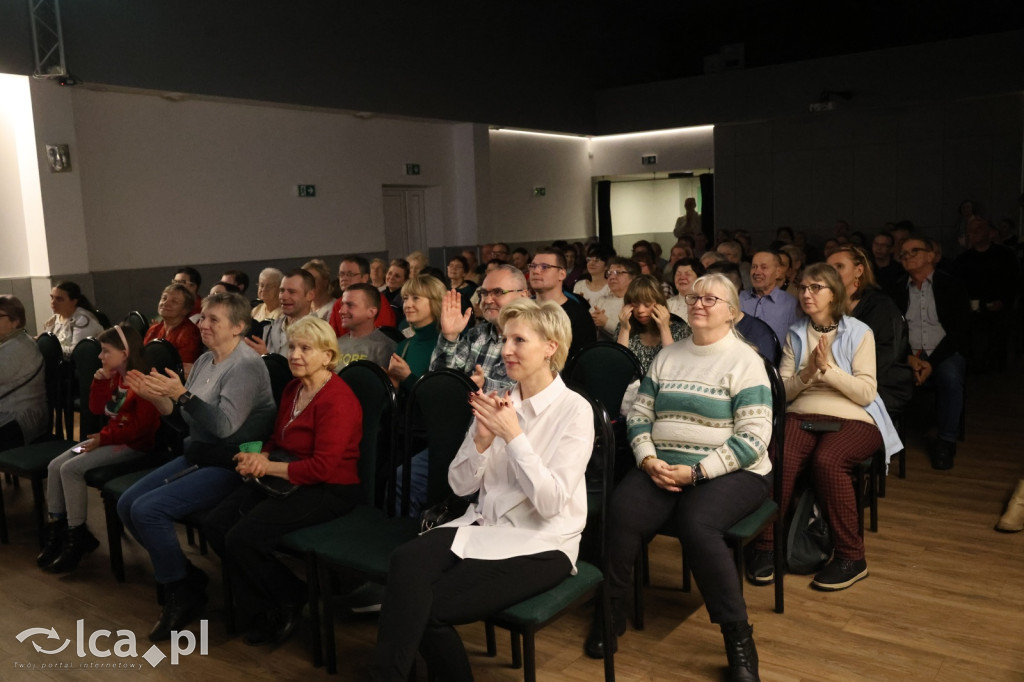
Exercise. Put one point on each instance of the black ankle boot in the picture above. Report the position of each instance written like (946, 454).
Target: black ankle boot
(595, 646)
(56, 536)
(79, 543)
(182, 605)
(740, 650)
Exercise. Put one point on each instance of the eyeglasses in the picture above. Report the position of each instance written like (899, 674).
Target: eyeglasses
(496, 293)
(183, 282)
(706, 300)
(350, 274)
(814, 288)
(542, 267)
(911, 252)
(615, 273)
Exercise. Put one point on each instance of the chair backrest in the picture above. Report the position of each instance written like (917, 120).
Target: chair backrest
(161, 354)
(53, 366)
(392, 333)
(601, 473)
(280, 374)
(376, 396)
(439, 405)
(85, 360)
(603, 371)
(138, 322)
(104, 319)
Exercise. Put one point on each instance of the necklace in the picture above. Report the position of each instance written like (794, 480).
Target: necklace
(825, 330)
(296, 409)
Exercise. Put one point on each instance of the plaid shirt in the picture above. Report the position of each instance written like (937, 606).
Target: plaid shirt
(480, 345)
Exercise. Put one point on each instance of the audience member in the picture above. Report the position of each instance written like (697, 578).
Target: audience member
(314, 453)
(834, 421)
(323, 302)
(685, 272)
(525, 456)
(605, 309)
(74, 317)
(237, 278)
(938, 319)
(709, 257)
(676, 254)
(175, 326)
(797, 261)
(477, 350)
(395, 278)
(472, 266)
(422, 298)
(378, 271)
(360, 304)
(645, 260)
(575, 265)
(268, 289)
(225, 402)
(458, 268)
(417, 261)
(547, 273)
(224, 288)
(190, 278)
(499, 251)
(991, 276)
(764, 301)
(352, 270)
(733, 252)
(128, 434)
(965, 213)
(595, 285)
(689, 223)
(296, 298)
(23, 408)
(703, 473)
(886, 267)
(520, 259)
(645, 323)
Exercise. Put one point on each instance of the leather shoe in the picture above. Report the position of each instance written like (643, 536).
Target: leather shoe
(943, 454)
(182, 605)
(289, 618)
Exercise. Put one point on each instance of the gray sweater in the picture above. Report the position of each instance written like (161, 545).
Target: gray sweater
(19, 358)
(231, 400)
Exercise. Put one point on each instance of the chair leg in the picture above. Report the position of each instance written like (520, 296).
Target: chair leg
(645, 564)
(4, 540)
(114, 531)
(329, 645)
(881, 472)
(313, 584)
(858, 493)
(39, 503)
(492, 646)
(903, 463)
(190, 535)
(780, 564)
(529, 658)
(517, 652)
(229, 597)
(874, 479)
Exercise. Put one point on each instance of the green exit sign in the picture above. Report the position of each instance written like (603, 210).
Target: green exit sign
(307, 190)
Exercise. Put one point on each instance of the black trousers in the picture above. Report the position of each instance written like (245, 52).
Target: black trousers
(701, 515)
(430, 590)
(247, 526)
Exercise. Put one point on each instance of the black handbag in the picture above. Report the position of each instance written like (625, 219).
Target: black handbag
(211, 454)
(443, 512)
(809, 545)
(275, 486)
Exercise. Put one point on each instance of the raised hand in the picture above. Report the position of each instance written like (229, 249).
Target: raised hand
(453, 320)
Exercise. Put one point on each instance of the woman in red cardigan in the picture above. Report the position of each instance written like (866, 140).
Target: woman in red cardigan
(128, 435)
(306, 474)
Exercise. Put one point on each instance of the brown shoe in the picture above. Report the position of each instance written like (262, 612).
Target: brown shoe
(1012, 521)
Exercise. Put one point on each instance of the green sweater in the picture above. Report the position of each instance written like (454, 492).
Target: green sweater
(709, 404)
(416, 352)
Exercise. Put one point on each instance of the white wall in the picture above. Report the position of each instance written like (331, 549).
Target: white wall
(683, 149)
(21, 211)
(201, 182)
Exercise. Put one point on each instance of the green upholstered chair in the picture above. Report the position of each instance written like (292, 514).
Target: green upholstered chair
(363, 540)
(31, 461)
(524, 619)
(750, 527)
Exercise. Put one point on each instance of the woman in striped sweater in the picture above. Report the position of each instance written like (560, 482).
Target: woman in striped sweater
(699, 430)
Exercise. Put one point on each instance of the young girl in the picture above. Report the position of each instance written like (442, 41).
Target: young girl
(128, 435)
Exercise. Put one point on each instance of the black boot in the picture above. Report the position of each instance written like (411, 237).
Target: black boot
(79, 543)
(182, 604)
(56, 536)
(740, 650)
(595, 646)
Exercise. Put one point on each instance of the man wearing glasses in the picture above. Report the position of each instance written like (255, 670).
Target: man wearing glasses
(477, 350)
(547, 273)
(938, 319)
(355, 269)
(190, 279)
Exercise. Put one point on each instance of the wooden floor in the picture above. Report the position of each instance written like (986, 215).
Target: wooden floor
(944, 601)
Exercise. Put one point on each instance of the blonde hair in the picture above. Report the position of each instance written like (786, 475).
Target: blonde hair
(732, 297)
(547, 319)
(429, 287)
(320, 333)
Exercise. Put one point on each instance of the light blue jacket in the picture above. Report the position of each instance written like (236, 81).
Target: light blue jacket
(848, 338)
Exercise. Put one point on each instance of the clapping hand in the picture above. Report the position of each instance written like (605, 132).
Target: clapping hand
(495, 414)
(599, 316)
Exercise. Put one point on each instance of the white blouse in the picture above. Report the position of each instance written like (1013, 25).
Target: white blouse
(533, 497)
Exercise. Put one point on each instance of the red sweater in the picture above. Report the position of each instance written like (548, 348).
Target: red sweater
(185, 338)
(385, 317)
(325, 437)
(134, 425)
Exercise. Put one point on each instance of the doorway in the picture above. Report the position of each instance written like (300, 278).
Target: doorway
(405, 220)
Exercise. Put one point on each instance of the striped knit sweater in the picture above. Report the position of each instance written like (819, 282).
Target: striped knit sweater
(709, 404)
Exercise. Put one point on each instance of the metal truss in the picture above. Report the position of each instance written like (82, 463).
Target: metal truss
(47, 39)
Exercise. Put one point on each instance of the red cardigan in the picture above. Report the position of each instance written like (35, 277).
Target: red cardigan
(135, 424)
(325, 437)
(185, 338)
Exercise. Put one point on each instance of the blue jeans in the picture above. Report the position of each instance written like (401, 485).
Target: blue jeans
(419, 474)
(948, 378)
(149, 509)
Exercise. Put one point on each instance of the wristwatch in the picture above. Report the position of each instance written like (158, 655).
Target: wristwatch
(698, 475)
(183, 398)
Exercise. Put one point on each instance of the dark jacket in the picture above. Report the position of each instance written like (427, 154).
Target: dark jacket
(953, 309)
(894, 376)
